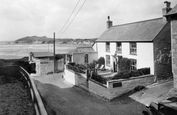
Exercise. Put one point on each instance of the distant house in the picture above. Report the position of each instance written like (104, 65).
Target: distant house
(44, 62)
(82, 55)
(147, 43)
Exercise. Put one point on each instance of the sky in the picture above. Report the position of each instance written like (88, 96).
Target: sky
(20, 18)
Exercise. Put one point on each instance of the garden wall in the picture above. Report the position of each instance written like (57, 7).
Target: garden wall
(112, 88)
(116, 88)
(74, 78)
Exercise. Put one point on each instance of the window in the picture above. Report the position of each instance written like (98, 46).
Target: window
(86, 58)
(119, 47)
(133, 64)
(108, 60)
(133, 48)
(107, 46)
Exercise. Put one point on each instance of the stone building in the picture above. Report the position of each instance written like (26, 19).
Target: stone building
(43, 61)
(172, 18)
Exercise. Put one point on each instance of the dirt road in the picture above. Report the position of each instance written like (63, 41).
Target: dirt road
(62, 98)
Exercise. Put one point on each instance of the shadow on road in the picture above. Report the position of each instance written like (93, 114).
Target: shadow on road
(76, 101)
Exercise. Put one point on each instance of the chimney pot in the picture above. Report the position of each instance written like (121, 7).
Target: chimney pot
(166, 9)
(167, 4)
(109, 23)
(108, 18)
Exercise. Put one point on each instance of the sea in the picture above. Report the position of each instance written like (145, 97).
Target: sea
(18, 51)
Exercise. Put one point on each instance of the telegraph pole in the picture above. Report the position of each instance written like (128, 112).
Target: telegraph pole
(54, 51)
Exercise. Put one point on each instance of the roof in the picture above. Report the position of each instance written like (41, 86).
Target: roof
(173, 11)
(138, 31)
(42, 54)
(82, 50)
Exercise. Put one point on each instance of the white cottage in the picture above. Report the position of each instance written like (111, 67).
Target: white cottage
(146, 43)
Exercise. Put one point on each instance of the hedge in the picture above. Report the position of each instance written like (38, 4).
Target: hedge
(136, 73)
(76, 67)
(124, 64)
(98, 78)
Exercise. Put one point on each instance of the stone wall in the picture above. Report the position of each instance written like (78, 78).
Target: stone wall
(109, 91)
(99, 89)
(162, 53)
(46, 67)
(130, 84)
(174, 50)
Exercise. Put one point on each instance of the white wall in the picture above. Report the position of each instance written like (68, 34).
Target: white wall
(92, 57)
(144, 53)
(145, 56)
(79, 58)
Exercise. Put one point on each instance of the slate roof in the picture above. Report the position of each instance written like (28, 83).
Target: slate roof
(173, 11)
(42, 54)
(82, 50)
(138, 31)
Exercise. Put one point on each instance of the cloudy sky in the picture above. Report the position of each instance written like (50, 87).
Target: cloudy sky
(20, 18)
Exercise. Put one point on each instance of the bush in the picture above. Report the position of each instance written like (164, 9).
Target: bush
(92, 65)
(58, 71)
(101, 61)
(136, 73)
(98, 78)
(124, 64)
(76, 68)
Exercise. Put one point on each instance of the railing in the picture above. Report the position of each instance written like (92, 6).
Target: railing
(36, 99)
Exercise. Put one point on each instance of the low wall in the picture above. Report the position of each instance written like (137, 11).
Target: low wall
(99, 89)
(21, 73)
(74, 78)
(116, 88)
(70, 76)
(112, 89)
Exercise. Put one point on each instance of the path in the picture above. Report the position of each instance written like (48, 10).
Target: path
(64, 99)
(154, 93)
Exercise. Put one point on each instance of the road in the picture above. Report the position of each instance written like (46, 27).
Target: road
(62, 98)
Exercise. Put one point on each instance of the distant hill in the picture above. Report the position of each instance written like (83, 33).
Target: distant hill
(46, 40)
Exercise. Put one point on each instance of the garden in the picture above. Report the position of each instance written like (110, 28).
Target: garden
(124, 67)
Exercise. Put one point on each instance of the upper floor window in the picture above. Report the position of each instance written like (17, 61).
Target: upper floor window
(133, 48)
(119, 47)
(107, 46)
(133, 64)
(108, 63)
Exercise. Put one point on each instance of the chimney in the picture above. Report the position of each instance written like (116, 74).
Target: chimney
(109, 23)
(166, 9)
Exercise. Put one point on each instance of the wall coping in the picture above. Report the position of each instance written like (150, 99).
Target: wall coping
(97, 82)
(132, 78)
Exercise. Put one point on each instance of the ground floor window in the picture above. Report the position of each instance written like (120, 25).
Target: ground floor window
(86, 58)
(133, 64)
(108, 60)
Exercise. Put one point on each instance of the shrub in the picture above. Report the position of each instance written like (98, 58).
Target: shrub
(101, 61)
(98, 78)
(76, 68)
(136, 73)
(124, 64)
(58, 71)
(92, 65)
